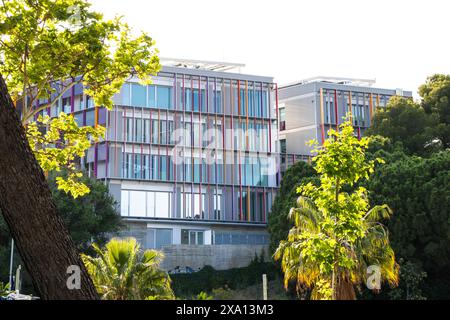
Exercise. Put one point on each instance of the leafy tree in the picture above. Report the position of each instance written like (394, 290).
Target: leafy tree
(278, 223)
(91, 218)
(62, 131)
(435, 95)
(418, 190)
(335, 236)
(411, 278)
(405, 121)
(47, 47)
(122, 272)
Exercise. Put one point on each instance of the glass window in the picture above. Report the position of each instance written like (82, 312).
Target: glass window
(146, 167)
(200, 236)
(164, 97)
(217, 101)
(129, 129)
(187, 170)
(138, 130)
(187, 99)
(161, 204)
(169, 131)
(124, 93)
(163, 237)
(163, 132)
(150, 204)
(192, 236)
(137, 166)
(138, 95)
(124, 203)
(151, 238)
(266, 111)
(195, 98)
(163, 175)
(217, 206)
(137, 203)
(90, 118)
(128, 168)
(79, 119)
(155, 133)
(89, 102)
(196, 170)
(152, 96)
(250, 103)
(66, 105)
(146, 132)
(184, 236)
(154, 167)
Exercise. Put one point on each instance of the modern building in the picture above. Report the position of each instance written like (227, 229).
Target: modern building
(308, 109)
(192, 160)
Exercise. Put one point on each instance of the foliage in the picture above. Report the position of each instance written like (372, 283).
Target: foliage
(335, 236)
(435, 93)
(208, 279)
(278, 224)
(4, 289)
(49, 46)
(121, 271)
(418, 190)
(91, 217)
(411, 278)
(405, 121)
(59, 147)
(204, 296)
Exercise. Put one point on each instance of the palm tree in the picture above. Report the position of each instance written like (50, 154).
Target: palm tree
(121, 271)
(371, 249)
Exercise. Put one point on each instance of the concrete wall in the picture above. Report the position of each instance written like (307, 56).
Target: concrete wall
(220, 257)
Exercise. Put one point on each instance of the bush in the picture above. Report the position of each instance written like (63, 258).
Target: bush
(207, 279)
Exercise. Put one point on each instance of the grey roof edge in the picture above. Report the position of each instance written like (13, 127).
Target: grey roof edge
(346, 87)
(217, 74)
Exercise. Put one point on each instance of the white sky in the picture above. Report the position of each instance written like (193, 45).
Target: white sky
(398, 42)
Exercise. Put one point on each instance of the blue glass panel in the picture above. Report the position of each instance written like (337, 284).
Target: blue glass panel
(164, 97)
(163, 175)
(125, 94)
(154, 168)
(187, 99)
(138, 95)
(151, 96)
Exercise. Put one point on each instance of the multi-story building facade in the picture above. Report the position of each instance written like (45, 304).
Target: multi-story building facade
(191, 159)
(310, 108)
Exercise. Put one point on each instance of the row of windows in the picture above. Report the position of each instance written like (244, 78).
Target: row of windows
(193, 205)
(144, 130)
(253, 170)
(156, 238)
(148, 167)
(157, 204)
(252, 137)
(89, 117)
(192, 237)
(240, 238)
(360, 111)
(251, 102)
(145, 204)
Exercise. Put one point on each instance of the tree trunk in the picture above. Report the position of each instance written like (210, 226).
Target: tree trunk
(345, 290)
(30, 213)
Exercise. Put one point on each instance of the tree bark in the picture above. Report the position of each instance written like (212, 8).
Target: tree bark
(26, 203)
